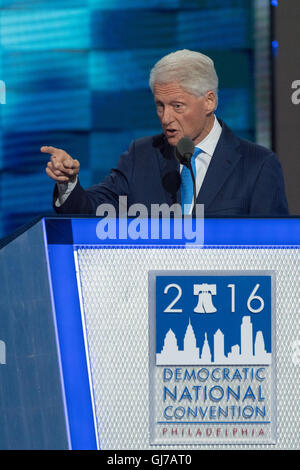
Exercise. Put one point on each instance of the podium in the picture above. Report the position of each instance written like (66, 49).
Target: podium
(118, 343)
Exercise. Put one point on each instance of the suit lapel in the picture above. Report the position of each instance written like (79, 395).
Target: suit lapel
(169, 170)
(223, 162)
(225, 157)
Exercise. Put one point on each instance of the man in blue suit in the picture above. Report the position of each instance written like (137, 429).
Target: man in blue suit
(233, 176)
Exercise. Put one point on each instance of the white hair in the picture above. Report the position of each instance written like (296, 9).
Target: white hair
(194, 71)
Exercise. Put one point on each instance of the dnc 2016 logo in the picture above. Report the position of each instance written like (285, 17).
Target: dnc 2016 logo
(212, 357)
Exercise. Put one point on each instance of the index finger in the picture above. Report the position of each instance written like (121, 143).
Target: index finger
(48, 149)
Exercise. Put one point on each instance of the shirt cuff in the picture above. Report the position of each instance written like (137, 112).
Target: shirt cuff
(64, 191)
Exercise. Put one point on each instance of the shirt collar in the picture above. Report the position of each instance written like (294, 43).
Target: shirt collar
(209, 143)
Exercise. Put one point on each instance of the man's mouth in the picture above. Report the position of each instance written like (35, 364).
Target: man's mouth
(170, 132)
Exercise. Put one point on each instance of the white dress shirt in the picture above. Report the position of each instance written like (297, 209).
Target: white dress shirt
(203, 159)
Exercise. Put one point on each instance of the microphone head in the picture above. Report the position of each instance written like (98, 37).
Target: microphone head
(184, 150)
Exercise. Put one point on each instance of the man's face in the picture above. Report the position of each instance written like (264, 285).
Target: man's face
(182, 113)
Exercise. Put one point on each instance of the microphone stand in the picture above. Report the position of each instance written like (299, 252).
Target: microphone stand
(189, 165)
(185, 159)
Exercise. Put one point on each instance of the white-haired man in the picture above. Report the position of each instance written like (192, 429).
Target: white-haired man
(233, 176)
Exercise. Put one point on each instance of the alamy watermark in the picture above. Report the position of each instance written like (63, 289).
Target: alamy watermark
(2, 352)
(2, 92)
(161, 223)
(295, 96)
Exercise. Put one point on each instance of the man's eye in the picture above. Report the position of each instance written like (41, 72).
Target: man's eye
(178, 106)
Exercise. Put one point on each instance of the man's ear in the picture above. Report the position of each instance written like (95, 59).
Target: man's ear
(210, 101)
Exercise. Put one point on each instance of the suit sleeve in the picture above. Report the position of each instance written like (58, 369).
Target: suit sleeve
(269, 198)
(116, 184)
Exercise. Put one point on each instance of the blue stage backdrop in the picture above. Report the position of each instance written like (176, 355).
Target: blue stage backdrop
(74, 75)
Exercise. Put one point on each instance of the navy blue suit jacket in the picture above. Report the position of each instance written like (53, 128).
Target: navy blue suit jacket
(243, 178)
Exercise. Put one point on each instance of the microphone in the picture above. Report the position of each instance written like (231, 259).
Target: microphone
(184, 152)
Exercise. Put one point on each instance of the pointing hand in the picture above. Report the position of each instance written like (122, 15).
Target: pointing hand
(61, 166)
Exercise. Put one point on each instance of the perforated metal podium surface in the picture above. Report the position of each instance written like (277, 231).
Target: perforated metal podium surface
(150, 344)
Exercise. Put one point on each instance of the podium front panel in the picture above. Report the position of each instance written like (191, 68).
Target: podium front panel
(115, 297)
(243, 296)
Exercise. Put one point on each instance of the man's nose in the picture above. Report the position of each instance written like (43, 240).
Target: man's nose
(167, 116)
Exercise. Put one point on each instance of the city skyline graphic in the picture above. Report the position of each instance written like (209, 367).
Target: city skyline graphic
(250, 350)
(210, 319)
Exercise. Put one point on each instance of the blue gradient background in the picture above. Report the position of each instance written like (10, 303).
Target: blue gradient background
(76, 75)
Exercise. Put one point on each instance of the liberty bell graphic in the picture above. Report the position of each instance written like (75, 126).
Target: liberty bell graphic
(205, 293)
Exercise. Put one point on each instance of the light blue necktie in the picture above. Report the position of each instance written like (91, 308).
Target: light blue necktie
(186, 187)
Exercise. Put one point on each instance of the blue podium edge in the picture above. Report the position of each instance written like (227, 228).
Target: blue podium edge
(217, 233)
(77, 389)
